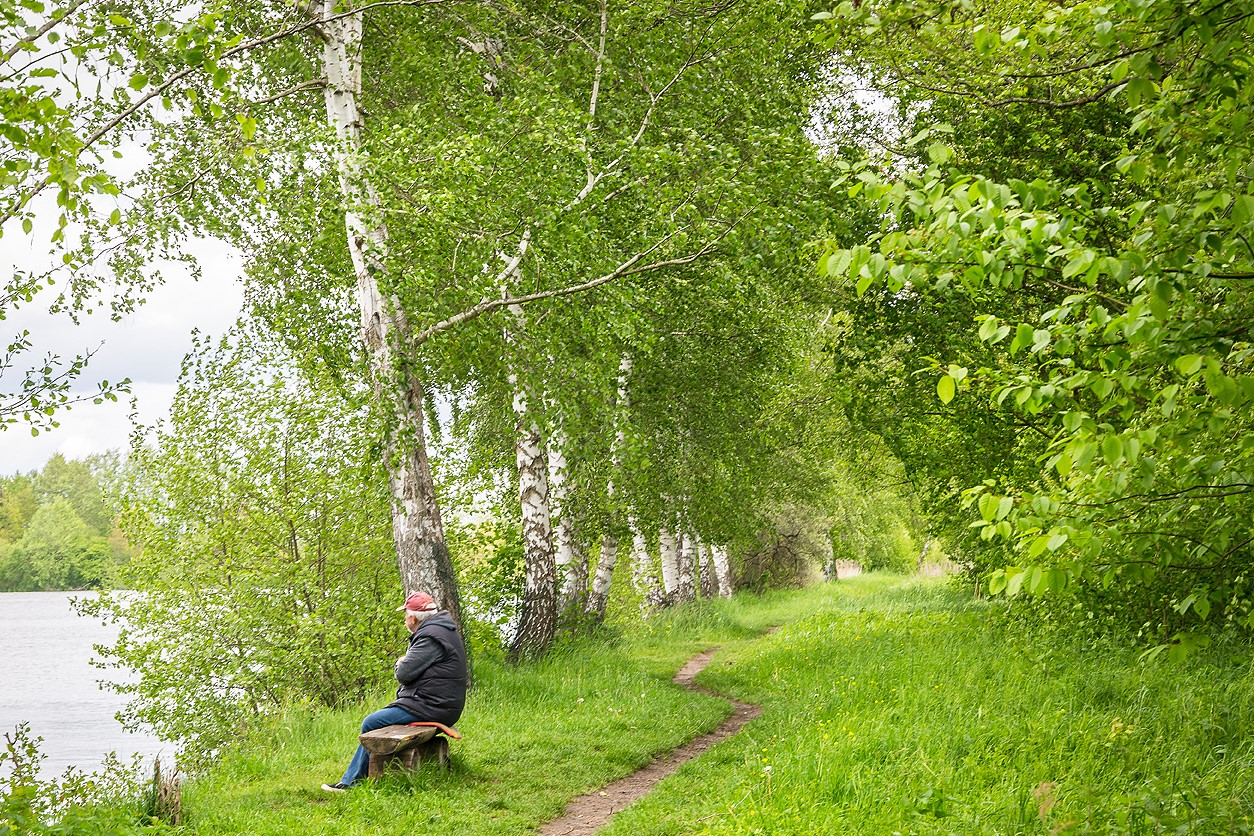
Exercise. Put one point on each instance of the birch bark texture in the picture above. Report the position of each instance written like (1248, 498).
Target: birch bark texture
(422, 555)
(567, 556)
(669, 550)
(643, 576)
(722, 570)
(537, 624)
(599, 594)
(687, 567)
(709, 582)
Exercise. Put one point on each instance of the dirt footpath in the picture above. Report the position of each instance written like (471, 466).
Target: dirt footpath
(588, 813)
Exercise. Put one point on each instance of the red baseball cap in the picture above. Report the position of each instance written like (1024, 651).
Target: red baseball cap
(418, 602)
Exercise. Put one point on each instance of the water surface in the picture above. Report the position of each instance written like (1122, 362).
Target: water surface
(48, 681)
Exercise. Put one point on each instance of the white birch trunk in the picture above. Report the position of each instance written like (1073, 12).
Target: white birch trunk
(709, 581)
(670, 560)
(642, 575)
(538, 622)
(422, 556)
(567, 558)
(687, 567)
(722, 570)
(599, 594)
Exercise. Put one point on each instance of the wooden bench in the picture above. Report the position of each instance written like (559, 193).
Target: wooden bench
(408, 747)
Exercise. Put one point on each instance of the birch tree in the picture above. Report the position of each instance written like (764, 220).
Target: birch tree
(599, 593)
(422, 555)
(611, 151)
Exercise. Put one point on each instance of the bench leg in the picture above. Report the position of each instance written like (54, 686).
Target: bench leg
(378, 763)
(435, 749)
(408, 760)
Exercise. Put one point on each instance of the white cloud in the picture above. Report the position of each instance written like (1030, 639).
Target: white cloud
(146, 346)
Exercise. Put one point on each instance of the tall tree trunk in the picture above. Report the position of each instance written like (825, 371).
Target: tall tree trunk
(567, 556)
(670, 560)
(421, 553)
(599, 594)
(709, 581)
(687, 567)
(722, 570)
(538, 622)
(643, 576)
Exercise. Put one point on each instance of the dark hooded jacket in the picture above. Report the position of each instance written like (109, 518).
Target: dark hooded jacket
(432, 673)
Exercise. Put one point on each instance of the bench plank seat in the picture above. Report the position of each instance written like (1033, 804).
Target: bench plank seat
(407, 747)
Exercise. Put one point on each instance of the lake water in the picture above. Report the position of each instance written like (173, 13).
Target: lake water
(48, 681)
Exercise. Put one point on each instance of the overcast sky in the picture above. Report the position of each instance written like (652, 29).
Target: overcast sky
(147, 346)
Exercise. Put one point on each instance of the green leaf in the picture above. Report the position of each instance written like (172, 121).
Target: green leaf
(946, 389)
(1112, 449)
(1189, 364)
(1036, 579)
(1243, 209)
(1015, 582)
(1202, 606)
(1004, 506)
(939, 153)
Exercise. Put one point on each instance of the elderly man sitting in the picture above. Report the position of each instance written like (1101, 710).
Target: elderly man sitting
(432, 677)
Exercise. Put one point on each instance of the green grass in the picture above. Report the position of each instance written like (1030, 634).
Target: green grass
(892, 705)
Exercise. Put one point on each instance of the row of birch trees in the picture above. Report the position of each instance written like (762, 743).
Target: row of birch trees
(571, 231)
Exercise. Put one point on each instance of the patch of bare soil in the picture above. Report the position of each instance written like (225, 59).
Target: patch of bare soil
(588, 813)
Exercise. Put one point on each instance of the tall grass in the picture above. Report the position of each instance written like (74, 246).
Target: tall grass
(892, 706)
(900, 707)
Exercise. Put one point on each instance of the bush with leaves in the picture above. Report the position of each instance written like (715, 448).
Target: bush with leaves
(1109, 304)
(76, 804)
(264, 571)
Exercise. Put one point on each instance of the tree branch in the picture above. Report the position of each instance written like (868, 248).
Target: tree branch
(630, 267)
(160, 89)
(316, 84)
(48, 26)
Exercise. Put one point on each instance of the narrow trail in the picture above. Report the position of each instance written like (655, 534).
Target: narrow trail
(588, 813)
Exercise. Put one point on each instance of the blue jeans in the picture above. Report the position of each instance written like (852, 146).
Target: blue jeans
(359, 765)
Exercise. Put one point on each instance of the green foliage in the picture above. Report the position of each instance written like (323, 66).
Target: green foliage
(489, 563)
(53, 552)
(74, 804)
(17, 506)
(76, 483)
(264, 570)
(1106, 302)
(59, 530)
(873, 521)
(591, 159)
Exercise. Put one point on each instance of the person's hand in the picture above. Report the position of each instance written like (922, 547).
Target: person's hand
(399, 659)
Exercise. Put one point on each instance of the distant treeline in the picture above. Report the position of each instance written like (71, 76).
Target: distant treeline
(57, 528)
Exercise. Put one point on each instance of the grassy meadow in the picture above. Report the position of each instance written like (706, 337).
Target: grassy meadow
(892, 705)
